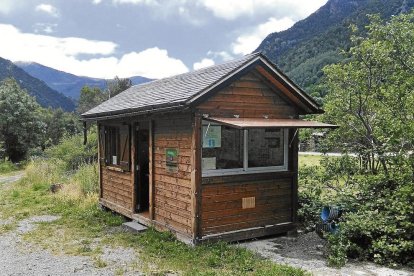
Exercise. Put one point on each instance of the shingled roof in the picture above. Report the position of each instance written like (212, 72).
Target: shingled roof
(178, 91)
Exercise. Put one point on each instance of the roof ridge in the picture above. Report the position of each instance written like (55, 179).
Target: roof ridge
(251, 56)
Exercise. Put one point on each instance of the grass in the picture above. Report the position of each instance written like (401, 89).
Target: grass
(84, 229)
(309, 160)
(7, 167)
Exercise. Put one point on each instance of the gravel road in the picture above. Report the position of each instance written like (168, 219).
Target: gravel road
(307, 252)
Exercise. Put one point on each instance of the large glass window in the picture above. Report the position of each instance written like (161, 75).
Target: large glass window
(265, 147)
(228, 150)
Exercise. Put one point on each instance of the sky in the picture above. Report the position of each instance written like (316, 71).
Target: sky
(149, 38)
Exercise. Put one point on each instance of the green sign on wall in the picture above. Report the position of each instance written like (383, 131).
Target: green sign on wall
(171, 159)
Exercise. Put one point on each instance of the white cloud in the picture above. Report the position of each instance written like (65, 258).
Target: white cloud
(249, 41)
(47, 28)
(151, 63)
(232, 9)
(47, 8)
(62, 54)
(205, 62)
(96, 2)
(145, 2)
(225, 56)
(8, 6)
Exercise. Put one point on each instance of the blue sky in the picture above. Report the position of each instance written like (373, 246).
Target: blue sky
(150, 38)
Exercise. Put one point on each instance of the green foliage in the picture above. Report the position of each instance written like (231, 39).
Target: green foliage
(20, 123)
(303, 50)
(117, 85)
(58, 124)
(338, 247)
(6, 166)
(73, 153)
(87, 176)
(89, 98)
(370, 97)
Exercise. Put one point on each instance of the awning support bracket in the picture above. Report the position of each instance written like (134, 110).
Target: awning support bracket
(293, 138)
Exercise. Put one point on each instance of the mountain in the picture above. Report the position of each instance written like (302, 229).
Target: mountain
(45, 96)
(68, 84)
(304, 49)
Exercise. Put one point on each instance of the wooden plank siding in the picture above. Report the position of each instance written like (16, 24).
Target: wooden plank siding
(172, 190)
(116, 187)
(222, 205)
(248, 97)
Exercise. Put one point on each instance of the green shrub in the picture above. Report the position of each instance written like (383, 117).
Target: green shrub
(73, 152)
(378, 223)
(7, 166)
(87, 177)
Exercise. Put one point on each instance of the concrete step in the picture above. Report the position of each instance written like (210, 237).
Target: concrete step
(134, 226)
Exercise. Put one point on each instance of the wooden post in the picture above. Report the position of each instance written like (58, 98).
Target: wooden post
(151, 169)
(196, 178)
(133, 166)
(100, 143)
(294, 168)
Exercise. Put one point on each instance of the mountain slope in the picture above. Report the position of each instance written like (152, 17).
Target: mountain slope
(66, 83)
(45, 96)
(304, 49)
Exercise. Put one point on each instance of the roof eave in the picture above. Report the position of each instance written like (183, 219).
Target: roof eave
(135, 111)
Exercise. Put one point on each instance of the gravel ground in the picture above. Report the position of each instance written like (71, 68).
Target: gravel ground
(18, 257)
(307, 252)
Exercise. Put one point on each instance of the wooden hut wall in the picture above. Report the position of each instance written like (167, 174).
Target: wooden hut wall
(275, 194)
(249, 97)
(116, 183)
(172, 186)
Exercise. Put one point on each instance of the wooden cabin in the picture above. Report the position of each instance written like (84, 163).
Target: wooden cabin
(209, 155)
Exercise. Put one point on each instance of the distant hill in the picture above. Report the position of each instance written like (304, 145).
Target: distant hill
(45, 96)
(66, 83)
(304, 49)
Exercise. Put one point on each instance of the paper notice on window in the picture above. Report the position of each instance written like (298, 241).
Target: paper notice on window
(208, 163)
(211, 136)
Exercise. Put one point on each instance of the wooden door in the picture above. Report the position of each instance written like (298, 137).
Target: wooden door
(142, 170)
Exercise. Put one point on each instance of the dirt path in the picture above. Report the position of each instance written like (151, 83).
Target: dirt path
(307, 252)
(18, 257)
(10, 178)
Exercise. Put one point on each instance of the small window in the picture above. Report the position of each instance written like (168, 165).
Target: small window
(117, 146)
(228, 150)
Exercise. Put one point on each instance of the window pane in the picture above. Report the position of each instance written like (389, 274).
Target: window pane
(265, 147)
(222, 147)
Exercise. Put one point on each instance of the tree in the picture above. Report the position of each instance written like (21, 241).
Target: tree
(58, 124)
(371, 96)
(117, 85)
(89, 98)
(20, 123)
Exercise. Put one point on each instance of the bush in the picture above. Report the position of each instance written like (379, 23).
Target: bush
(378, 223)
(7, 166)
(74, 153)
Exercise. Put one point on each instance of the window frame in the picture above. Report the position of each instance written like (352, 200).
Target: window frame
(246, 169)
(118, 132)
